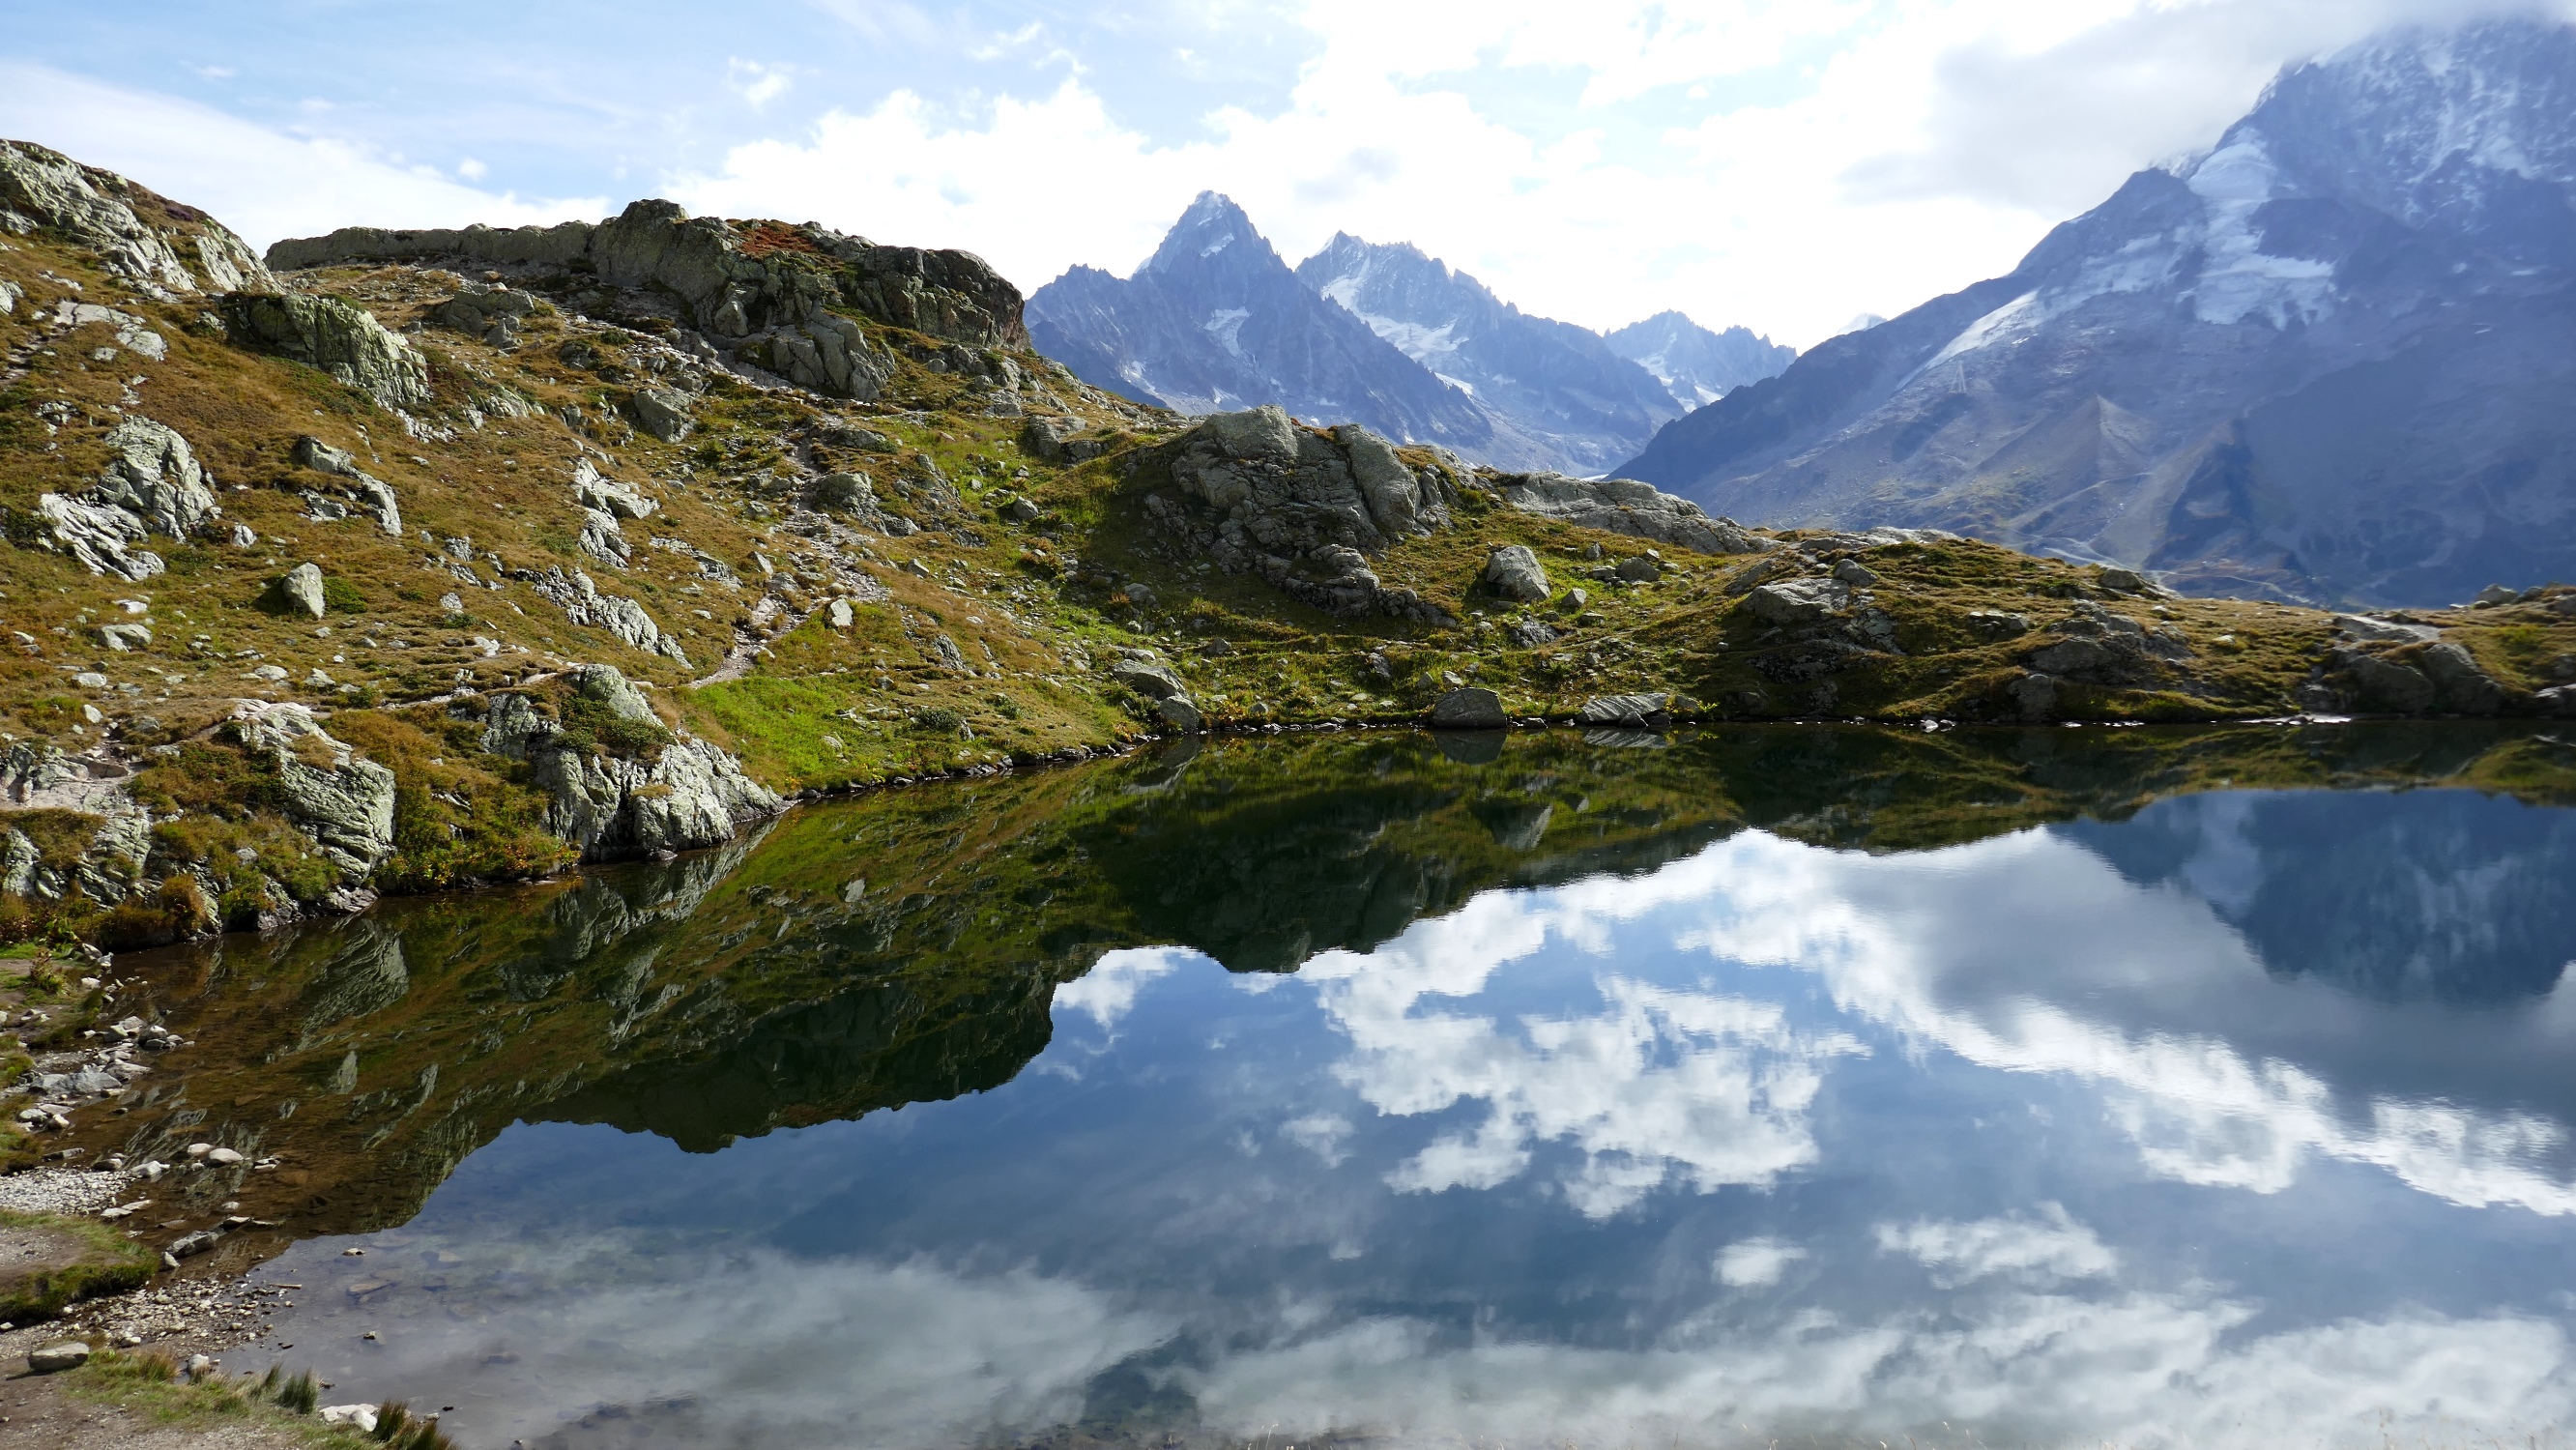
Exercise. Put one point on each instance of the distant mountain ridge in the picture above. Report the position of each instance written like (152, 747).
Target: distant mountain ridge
(1695, 365)
(1215, 321)
(2328, 359)
(1560, 386)
(1371, 333)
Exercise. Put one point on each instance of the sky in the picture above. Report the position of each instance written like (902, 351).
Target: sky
(1786, 165)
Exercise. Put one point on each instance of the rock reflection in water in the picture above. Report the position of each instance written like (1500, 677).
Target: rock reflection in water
(1589, 1113)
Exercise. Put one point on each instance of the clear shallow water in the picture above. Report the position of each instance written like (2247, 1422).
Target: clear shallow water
(2226, 1118)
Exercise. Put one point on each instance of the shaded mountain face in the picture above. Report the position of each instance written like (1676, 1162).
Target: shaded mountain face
(1575, 403)
(1695, 365)
(2327, 360)
(1215, 321)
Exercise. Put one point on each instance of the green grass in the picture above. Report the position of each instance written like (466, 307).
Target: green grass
(112, 1264)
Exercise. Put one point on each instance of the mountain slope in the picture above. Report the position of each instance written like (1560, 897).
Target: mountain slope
(1215, 320)
(2326, 360)
(414, 559)
(1557, 385)
(1695, 365)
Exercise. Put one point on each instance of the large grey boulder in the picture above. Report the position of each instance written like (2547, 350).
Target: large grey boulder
(347, 805)
(1260, 495)
(692, 795)
(2459, 686)
(1050, 438)
(301, 588)
(664, 413)
(345, 341)
(596, 490)
(57, 1356)
(1514, 572)
(1631, 710)
(1148, 678)
(1468, 709)
(2093, 644)
(488, 313)
(830, 354)
(152, 484)
(1808, 600)
(1625, 506)
(137, 234)
(2381, 686)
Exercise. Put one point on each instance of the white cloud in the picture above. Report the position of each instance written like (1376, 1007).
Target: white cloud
(1892, 153)
(261, 183)
(2039, 1253)
(1109, 990)
(757, 84)
(1756, 1263)
(1661, 1086)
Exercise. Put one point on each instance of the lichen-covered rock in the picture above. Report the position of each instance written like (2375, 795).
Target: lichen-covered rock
(1468, 709)
(344, 802)
(598, 491)
(345, 341)
(733, 282)
(1260, 495)
(830, 354)
(1514, 572)
(1632, 710)
(2459, 686)
(487, 313)
(1808, 600)
(100, 536)
(662, 412)
(2093, 644)
(152, 484)
(138, 234)
(2380, 686)
(1625, 506)
(1049, 438)
(691, 796)
(301, 588)
(583, 603)
(1146, 677)
(372, 493)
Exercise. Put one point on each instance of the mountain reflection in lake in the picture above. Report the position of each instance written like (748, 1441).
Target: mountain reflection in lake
(1799, 1086)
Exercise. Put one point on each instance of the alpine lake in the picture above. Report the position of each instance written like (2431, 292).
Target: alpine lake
(1795, 1086)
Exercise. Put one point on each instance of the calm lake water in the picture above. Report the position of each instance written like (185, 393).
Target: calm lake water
(1830, 1087)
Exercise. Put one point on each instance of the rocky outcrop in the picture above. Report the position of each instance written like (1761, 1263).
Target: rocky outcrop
(1514, 572)
(371, 493)
(345, 803)
(583, 603)
(689, 795)
(605, 504)
(665, 413)
(1259, 495)
(2406, 675)
(152, 484)
(1625, 506)
(765, 282)
(490, 314)
(1469, 708)
(2097, 646)
(146, 238)
(345, 341)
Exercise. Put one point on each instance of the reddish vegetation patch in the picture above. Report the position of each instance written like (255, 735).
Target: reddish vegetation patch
(759, 239)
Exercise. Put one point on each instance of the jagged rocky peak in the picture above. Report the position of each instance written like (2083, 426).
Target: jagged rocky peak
(152, 241)
(1557, 388)
(1695, 365)
(2324, 359)
(1214, 321)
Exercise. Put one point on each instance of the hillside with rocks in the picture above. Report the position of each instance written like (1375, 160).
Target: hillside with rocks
(2323, 362)
(404, 560)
